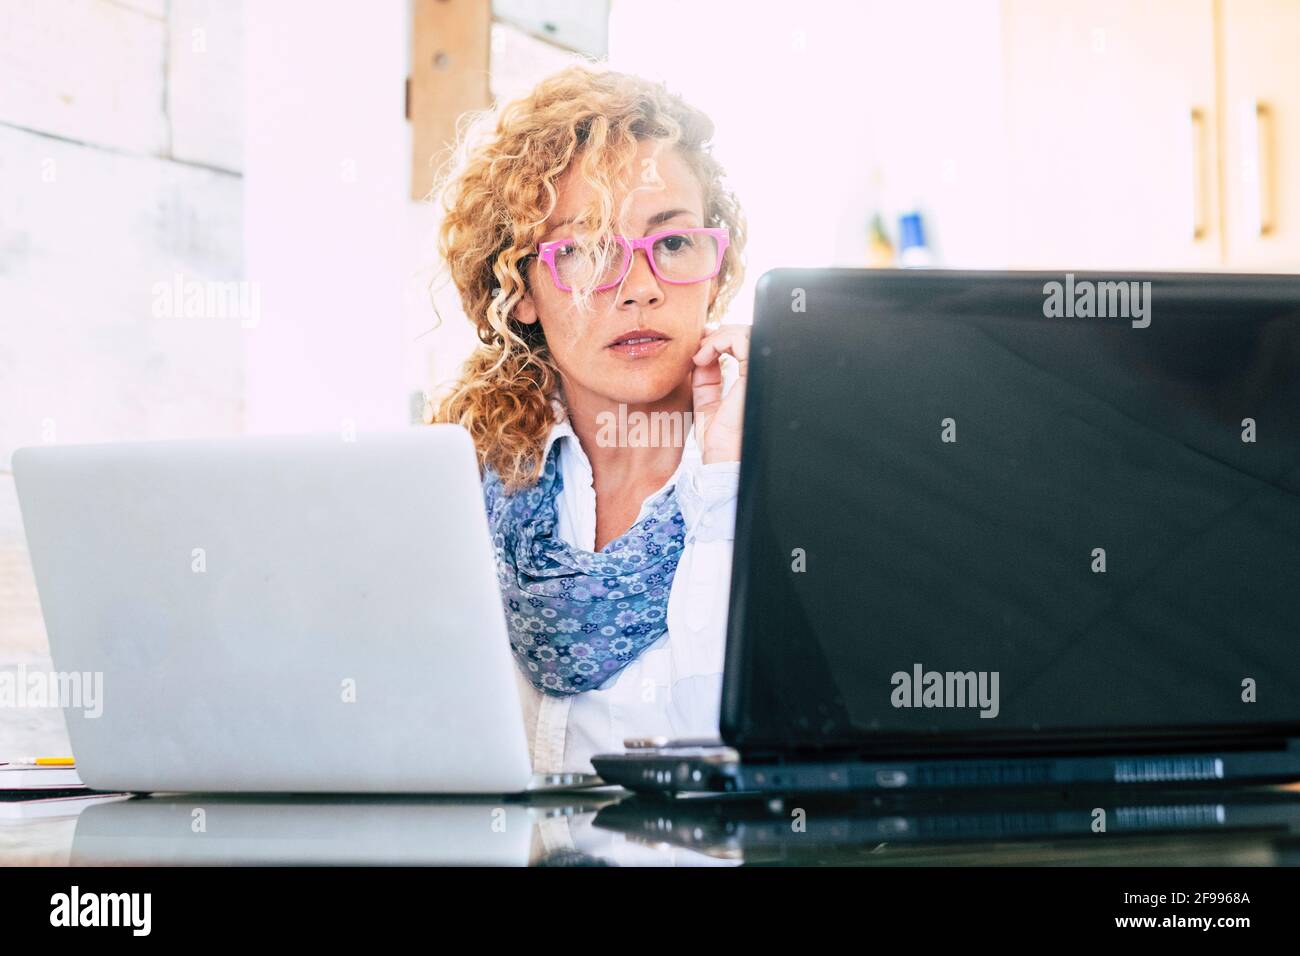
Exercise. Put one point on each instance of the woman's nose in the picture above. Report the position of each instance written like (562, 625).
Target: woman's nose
(640, 284)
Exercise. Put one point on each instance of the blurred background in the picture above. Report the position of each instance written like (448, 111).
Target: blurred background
(211, 212)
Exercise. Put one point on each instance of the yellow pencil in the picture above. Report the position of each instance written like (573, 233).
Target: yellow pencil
(44, 762)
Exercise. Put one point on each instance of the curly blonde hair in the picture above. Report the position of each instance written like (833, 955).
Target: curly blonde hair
(497, 195)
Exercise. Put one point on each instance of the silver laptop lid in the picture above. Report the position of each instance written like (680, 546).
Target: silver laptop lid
(277, 614)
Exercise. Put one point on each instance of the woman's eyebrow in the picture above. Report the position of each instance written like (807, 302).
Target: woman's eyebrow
(667, 214)
(562, 222)
(655, 220)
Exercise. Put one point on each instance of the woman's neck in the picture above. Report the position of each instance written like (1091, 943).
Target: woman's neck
(631, 444)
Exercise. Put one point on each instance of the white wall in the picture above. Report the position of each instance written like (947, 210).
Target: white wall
(120, 147)
(327, 172)
(95, 209)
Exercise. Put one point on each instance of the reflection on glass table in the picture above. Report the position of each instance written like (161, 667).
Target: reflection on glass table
(611, 827)
(200, 829)
(1243, 826)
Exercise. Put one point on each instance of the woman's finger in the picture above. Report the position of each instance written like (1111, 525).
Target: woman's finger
(730, 340)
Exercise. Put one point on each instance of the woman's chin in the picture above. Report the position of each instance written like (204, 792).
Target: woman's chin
(640, 383)
(649, 393)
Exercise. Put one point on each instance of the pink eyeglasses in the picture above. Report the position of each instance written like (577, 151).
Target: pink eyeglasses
(676, 256)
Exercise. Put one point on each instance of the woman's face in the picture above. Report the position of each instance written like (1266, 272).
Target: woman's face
(580, 341)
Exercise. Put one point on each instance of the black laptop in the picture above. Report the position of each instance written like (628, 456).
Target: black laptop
(1009, 530)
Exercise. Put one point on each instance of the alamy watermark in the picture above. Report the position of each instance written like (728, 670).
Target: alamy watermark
(1086, 299)
(132, 911)
(186, 298)
(922, 688)
(82, 690)
(637, 429)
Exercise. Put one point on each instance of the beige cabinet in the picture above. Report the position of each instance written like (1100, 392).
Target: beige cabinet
(1259, 46)
(1153, 134)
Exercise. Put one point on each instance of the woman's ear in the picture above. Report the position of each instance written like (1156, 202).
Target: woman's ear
(525, 311)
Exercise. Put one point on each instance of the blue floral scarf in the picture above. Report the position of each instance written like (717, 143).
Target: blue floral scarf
(576, 617)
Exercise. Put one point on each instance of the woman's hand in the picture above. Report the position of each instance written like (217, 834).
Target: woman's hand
(718, 417)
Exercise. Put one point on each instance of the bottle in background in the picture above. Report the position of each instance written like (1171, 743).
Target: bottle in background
(880, 251)
(913, 253)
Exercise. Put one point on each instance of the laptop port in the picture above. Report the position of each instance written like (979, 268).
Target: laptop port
(891, 778)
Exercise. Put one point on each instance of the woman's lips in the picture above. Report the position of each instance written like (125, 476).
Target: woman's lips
(639, 346)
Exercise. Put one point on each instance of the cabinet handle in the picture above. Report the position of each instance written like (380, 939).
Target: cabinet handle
(1264, 129)
(1199, 228)
(1257, 166)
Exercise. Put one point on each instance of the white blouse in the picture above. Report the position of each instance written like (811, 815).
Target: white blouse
(674, 687)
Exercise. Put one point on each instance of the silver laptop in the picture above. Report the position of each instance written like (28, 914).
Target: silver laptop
(279, 614)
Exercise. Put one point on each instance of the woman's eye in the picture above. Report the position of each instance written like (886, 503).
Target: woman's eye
(676, 243)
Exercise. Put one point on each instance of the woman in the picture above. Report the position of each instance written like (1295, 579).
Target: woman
(591, 239)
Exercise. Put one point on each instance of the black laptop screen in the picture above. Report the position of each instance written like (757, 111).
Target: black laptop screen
(967, 508)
